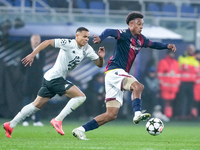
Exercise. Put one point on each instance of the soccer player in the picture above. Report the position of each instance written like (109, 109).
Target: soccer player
(117, 78)
(72, 52)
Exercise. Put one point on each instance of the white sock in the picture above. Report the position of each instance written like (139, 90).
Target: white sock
(71, 106)
(137, 113)
(81, 128)
(25, 112)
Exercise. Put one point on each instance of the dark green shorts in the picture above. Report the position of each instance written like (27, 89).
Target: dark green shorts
(53, 87)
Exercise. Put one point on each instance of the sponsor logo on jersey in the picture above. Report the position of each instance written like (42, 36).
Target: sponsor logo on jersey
(139, 42)
(134, 47)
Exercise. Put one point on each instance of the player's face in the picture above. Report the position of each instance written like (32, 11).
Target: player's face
(171, 55)
(191, 50)
(136, 26)
(82, 38)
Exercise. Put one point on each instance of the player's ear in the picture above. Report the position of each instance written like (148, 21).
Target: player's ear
(77, 34)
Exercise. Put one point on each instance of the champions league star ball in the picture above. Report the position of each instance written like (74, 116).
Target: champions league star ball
(154, 126)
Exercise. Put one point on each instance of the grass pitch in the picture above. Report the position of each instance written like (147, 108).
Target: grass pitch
(116, 135)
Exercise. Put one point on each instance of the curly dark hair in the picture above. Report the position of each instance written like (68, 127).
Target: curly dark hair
(133, 15)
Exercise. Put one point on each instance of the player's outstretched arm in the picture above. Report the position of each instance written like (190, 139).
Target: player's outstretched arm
(106, 33)
(96, 39)
(100, 62)
(28, 60)
(171, 47)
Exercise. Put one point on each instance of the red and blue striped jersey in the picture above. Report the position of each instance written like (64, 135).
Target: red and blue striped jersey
(127, 48)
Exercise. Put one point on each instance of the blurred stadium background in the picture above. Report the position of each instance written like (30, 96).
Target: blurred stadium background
(168, 21)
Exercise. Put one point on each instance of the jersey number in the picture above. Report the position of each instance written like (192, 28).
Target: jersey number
(73, 63)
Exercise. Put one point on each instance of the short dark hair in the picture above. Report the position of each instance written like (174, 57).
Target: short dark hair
(133, 15)
(80, 29)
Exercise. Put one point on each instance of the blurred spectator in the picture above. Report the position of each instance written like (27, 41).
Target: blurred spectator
(95, 93)
(151, 91)
(150, 95)
(33, 78)
(196, 106)
(169, 79)
(188, 71)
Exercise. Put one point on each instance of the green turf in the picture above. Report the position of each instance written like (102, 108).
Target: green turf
(117, 135)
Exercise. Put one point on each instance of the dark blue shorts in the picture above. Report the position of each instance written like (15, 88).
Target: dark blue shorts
(53, 87)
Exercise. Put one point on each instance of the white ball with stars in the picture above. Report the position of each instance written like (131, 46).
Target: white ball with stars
(154, 126)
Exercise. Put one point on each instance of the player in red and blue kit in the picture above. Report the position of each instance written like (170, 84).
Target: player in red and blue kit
(127, 47)
(117, 78)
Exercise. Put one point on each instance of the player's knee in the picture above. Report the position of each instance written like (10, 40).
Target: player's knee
(39, 102)
(138, 87)
(82, 99)
(83, 95)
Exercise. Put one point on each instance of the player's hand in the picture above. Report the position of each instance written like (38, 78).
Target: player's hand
(171, 47)
(96, 39)
(28, 60)
(101, 52)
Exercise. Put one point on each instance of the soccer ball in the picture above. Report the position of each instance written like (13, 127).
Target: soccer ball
(154, 126)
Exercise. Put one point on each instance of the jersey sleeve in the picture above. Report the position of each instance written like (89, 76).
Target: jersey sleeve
(154, 45)
(90, 53)
(61, 43)
(110, 32)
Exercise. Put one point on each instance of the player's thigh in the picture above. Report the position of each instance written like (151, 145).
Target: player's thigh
(74, 91)
(113, 93)
(128, 82)
(39, 102)
(113, 103)
(112, 107)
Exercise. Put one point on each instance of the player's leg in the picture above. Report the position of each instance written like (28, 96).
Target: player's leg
(113, 92)
(131, 84)
(112, 109)
(77, 98)
(26, 111)
(26, 101)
